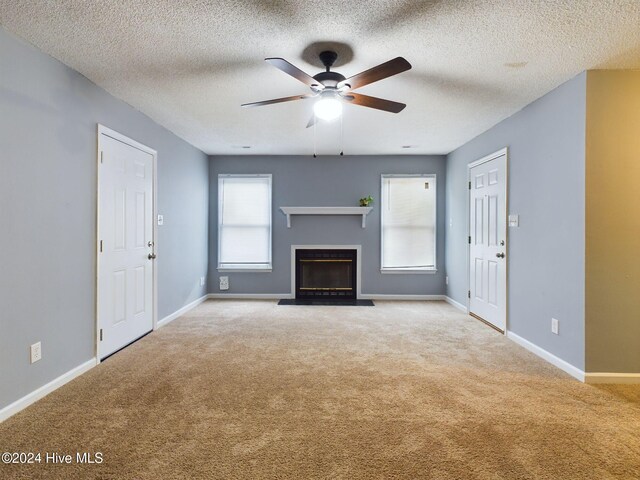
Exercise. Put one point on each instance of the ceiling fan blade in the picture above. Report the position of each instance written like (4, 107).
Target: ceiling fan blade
(277, 100)
(312, 121)
(295, 72)
(384, 70)
(374, 102)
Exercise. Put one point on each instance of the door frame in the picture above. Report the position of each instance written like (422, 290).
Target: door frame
(503, 151)
(102, 130)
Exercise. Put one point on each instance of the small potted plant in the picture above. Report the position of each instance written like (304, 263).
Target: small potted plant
(366, 201)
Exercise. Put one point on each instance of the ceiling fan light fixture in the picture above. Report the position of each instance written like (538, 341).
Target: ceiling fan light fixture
(328, 107)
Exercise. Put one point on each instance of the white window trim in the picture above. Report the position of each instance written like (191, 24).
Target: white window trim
(418, 270)
(253, 267)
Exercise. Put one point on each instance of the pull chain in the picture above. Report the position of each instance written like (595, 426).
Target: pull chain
(315, 120)
(342, 134)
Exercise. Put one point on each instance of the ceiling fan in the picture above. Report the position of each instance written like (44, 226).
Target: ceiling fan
(332, 88)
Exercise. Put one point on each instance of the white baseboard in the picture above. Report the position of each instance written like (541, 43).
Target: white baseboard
(549, 357)
(458, 305)
(382, 296)
(182, 311)
(43, 391)
(251, 296)
(618, 378)
(278, 296)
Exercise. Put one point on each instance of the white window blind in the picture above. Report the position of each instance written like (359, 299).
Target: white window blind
(244, 221)
(408, 222)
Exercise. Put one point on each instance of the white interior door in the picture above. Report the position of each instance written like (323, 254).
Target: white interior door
(487, 239)
(125, 243)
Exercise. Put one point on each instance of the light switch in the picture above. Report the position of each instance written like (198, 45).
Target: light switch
(160, 219)
(514, 220)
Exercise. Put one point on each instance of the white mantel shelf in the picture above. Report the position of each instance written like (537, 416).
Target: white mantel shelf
(288, 211)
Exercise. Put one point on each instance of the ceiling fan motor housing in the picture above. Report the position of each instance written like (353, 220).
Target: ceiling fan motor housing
(329, 79)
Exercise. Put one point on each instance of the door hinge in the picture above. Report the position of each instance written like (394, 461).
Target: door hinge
(100, 246)
(101, 157)
(469, 185)
(100, 334)
(469, 240)
(468, 293)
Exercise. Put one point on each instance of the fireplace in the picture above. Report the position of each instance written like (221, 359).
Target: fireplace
(326, 274)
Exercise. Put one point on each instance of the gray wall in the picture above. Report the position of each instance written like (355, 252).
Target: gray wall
(327, 181)
(48, 117)
(546, 253)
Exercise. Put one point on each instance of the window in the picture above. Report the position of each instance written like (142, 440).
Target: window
(244, 222)
(408, 217)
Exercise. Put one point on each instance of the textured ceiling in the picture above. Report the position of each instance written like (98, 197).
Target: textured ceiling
(189, 64)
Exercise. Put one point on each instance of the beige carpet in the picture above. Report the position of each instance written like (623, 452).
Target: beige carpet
(401, 390)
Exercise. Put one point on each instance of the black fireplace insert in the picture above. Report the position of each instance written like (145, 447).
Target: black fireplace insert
(326, 274)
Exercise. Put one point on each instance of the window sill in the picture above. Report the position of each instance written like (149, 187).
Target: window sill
(396, 271)
(247, 270)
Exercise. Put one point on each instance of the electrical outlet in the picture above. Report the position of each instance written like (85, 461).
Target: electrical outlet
(202, 281)
(224, 283)
(36, 352)
(555, 326)
(446, 280)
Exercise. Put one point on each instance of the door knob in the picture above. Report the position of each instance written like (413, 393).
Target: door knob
(500, 255)
(151, 256)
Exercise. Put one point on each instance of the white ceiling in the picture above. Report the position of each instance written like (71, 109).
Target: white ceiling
(189, 64)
